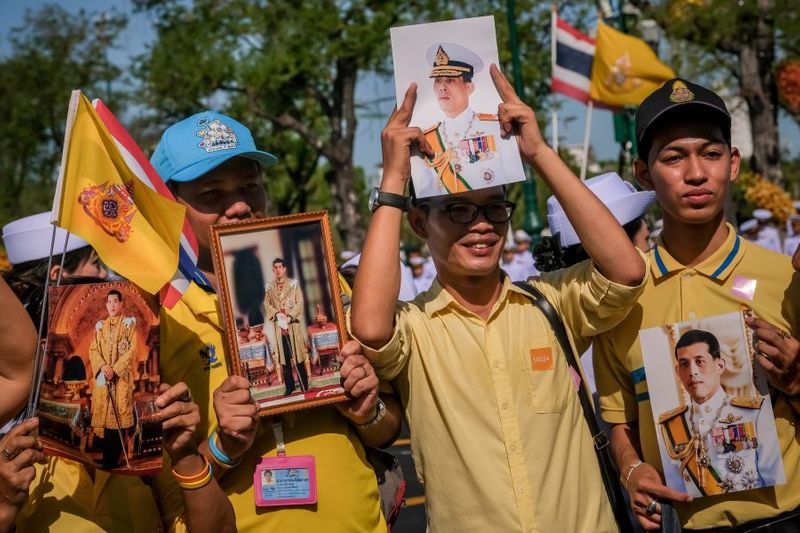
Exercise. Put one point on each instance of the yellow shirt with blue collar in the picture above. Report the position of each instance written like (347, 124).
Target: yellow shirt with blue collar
(497, 430)
(676, 293)
(192, 351)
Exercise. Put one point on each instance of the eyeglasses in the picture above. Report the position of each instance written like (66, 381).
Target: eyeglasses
(465, 212)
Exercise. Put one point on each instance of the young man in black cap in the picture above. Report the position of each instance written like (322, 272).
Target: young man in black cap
(700, 267)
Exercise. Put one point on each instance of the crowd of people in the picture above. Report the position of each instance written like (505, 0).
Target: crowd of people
(452, 343)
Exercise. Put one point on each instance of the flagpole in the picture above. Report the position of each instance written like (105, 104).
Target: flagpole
(586, 134)
(553, 111)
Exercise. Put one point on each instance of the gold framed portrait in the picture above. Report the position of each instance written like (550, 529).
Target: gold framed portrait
(282, 309)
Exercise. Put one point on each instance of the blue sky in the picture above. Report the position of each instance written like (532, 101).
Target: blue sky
(373, 93)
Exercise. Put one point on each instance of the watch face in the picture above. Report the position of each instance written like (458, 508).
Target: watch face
(373, 198)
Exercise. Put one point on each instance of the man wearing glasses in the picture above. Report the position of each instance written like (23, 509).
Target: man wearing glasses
(497, 431)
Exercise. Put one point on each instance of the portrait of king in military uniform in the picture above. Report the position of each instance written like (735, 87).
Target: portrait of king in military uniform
(456, 107)
(718, 440)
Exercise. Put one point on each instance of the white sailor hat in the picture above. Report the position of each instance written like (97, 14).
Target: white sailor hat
(521, 236)
(453, 61)
(762, 214)
(748, 225)
(416, 261)
(347, 255)
(29, 238)
(621, 198)
(510, 246)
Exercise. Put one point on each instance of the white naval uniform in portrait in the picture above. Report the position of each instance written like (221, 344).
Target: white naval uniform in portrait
(741, 444)
(477, 151)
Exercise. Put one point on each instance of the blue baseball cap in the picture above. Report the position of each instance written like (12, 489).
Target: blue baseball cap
(198, 144)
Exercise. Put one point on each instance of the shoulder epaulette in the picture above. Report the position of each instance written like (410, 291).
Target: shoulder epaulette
(486, 116)
(99, 325)
(129, 321)
(668, 415)
(748, 402)
(432, 128)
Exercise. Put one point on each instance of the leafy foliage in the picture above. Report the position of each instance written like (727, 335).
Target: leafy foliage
(53, 52)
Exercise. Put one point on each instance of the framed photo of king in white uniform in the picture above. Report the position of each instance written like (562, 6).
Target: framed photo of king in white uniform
(711, 406)
(456, 105)
(282, 309)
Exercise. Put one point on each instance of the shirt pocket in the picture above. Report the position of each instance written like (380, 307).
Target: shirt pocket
(547, 378)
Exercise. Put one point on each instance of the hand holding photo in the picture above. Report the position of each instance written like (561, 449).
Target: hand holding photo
(456, 106)
(715, 425)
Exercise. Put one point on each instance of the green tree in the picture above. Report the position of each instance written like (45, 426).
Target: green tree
(53, 52)
(290, 69)
(738, 41)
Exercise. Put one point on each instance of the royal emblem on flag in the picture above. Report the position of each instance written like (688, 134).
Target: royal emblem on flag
(111, 207)
(216, 136)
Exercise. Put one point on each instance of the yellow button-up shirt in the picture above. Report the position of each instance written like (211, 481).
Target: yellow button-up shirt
(63, 497)
(676, 293)
(497, 432)
(192, 350)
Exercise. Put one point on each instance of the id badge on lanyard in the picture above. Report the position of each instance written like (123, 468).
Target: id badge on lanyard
(285, 480)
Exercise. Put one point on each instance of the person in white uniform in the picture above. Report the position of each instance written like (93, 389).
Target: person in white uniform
(469, 151)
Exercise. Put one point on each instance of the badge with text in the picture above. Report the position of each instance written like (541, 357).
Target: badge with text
(285, 480)
(541, 358)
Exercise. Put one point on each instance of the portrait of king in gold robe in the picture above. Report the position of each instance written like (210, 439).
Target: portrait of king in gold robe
(283, 302)
(111, 354)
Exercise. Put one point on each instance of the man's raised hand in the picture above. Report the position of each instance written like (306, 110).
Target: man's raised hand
(398, 141)
(516, 118)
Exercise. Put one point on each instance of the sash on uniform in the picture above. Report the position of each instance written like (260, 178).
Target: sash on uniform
(682, 446)
(452, 181)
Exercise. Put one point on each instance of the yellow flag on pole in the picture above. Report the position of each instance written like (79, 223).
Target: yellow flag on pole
(625, 69)
(135, 230)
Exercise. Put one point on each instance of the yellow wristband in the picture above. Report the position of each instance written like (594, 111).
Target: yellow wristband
(199, 483)
(194, 477)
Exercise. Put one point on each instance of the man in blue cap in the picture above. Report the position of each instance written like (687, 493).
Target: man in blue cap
(211, 163)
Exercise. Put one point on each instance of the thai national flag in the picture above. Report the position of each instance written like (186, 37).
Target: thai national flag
(140, 165)
(572, 61)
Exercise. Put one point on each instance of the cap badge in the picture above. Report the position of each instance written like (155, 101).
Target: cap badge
(441, 58)
(680, 93)
(216, 135)
(111, 207)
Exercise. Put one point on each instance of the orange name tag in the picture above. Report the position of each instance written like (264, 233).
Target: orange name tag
(541, 358)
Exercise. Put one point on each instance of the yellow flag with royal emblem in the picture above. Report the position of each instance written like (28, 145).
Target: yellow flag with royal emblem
(625, 69)
(135, 230)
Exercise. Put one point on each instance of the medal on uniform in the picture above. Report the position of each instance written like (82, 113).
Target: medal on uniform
(285, 480)
(734, 464)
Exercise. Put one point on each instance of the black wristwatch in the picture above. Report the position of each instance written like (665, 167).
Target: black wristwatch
(378, 198)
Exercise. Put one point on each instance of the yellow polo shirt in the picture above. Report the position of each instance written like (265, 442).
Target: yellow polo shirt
(497, 432)
(192, 350)
(64, 498)
(675, 293)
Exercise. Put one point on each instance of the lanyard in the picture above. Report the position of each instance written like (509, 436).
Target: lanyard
(277, 432)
